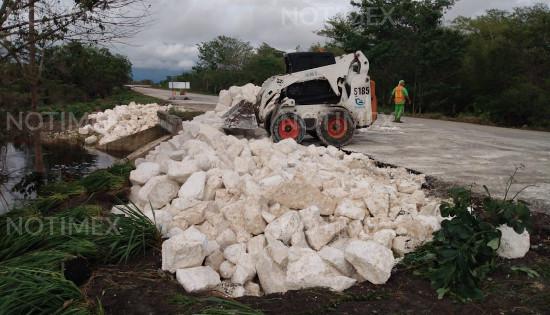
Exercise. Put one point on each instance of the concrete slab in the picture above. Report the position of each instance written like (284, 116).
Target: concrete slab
(464, 154)
(129, 144)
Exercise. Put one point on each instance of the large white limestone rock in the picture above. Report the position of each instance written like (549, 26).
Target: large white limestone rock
(227, 269)
(245, 270)
(144, 172)
(272, 277)
(181, 171)
(193, 187)
(311, 217)
(512, 244)
(321, 235)
(353, 209)
(213, 183)
(373, 261)
(298, 195)
(256, 245)
(234, 252)
(254, 221)
(198, 279)
(284, 227)
(384, 237)
(214, 260)
(278, 251)
(231, 181)
(337, 259)
(195, 213)
(183, 251)
(226, 238)
(159, 191)
(378, 204)
(306, 269)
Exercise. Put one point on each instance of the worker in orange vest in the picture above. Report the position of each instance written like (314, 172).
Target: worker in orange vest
(400, 96)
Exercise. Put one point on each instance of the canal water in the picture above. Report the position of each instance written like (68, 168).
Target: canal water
(26, 165)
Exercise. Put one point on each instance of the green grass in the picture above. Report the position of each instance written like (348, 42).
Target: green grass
(28, 290)
(103, 180)
(34, 246)
(212, 306)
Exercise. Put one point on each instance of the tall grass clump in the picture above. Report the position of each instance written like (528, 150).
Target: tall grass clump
(37, 241)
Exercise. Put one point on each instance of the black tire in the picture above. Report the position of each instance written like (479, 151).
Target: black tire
(288, 125)
(336, 128)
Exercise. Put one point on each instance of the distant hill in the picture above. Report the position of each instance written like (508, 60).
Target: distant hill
(156, 75)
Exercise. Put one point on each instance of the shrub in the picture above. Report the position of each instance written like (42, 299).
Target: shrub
(463, 252)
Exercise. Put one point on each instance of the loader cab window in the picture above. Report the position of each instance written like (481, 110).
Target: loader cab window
(296, 62)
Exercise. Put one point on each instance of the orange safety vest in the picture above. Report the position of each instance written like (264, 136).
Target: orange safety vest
(399, 95)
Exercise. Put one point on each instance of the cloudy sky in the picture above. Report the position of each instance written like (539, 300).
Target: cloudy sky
(168, 44)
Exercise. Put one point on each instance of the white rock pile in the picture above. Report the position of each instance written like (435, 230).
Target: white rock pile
(250, 217)
(236, 94)
(268, 218)
(120, 122)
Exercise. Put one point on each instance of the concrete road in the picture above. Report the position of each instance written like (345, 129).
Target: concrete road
(464, 154)
(198, 102)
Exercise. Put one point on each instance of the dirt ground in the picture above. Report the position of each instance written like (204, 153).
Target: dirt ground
(141, 287)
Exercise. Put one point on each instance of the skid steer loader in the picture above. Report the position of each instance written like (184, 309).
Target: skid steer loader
(321, 95)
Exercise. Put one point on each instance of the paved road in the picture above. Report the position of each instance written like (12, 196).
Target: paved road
(464, 154)
(195, 102)
(459, 153)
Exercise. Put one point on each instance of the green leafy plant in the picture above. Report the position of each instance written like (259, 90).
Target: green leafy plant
(463, 252)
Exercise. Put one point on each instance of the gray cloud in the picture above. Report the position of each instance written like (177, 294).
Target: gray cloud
(177, 26)
(477, 7)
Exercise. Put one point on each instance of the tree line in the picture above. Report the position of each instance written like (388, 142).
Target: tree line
(41, 40)
(73, 72)
(494, 66)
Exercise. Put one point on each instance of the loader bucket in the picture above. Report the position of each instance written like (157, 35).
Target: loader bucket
(240, 117)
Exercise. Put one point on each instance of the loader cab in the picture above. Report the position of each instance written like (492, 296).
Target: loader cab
(301, 61)
(313, 92)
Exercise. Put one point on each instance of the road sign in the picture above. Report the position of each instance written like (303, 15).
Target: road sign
(179, 85)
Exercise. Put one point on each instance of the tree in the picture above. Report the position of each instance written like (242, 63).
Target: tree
(404, 39)
(266, 62)
(78, 72)
(224, 53)
(506, 65)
